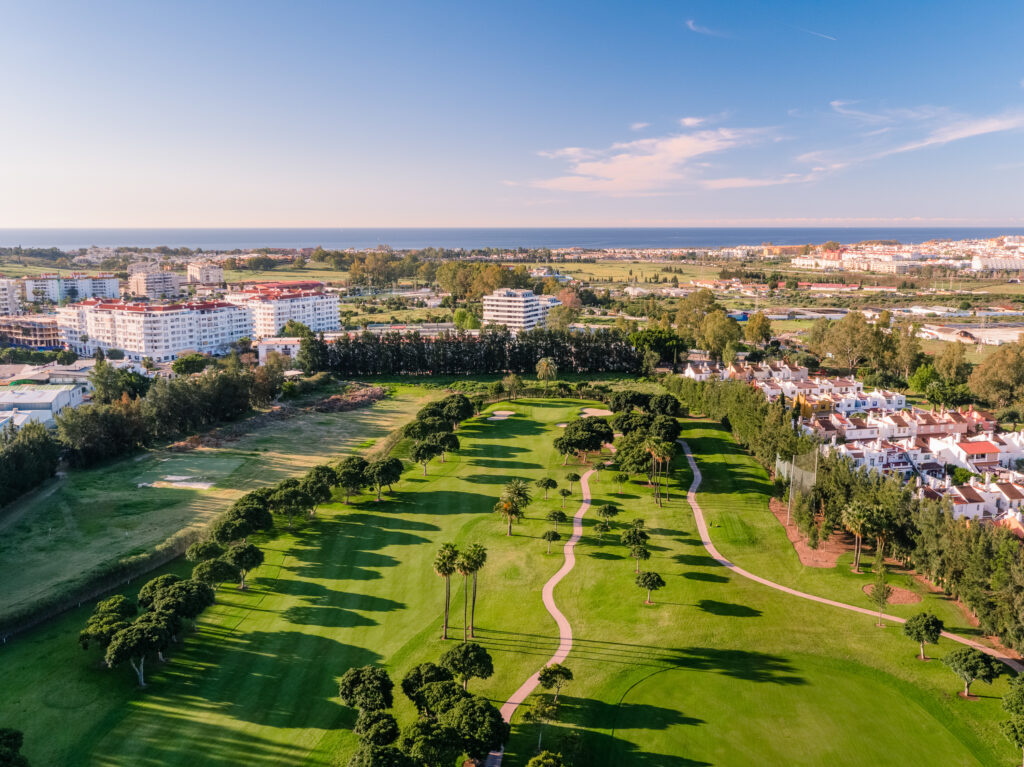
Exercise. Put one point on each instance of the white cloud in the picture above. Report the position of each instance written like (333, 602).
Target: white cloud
(691, 122)
(643, 166)
(693, 26)
(639, 126)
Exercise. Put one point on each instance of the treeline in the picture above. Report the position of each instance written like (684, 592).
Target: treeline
(766, 429)
(15, 355)
(494, 350)
(28, 456)
(97, 432)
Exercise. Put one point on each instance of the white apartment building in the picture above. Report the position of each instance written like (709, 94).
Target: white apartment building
(271, 308)
(155, 284)
(10, 297)
(159, 332)
(55, 288)
(1006, 263)
(205, 273)
(517, 310)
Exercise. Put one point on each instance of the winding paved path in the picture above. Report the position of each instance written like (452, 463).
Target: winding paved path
(702, 528)
(564, 629)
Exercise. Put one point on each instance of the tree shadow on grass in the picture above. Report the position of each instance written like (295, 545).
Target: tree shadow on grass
(331, 616)
(705, 577)
(728, 609)
(696, 560)
(492, 451)
(500, 463)
(605, 555)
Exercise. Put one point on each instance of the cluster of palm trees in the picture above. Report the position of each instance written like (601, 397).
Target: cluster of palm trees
(450, 561)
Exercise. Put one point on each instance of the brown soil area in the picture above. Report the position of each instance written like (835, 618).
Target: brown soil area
(899, 596)
(827, 553)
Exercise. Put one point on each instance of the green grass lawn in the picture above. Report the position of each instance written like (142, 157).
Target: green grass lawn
(54, 537)
(719, 671)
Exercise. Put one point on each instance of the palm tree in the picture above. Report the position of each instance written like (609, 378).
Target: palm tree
(619, 479)
(509, 511)
(602, 527)
(551, 535)
(518, 492)
(570, 478)
(638, 552)
(444, 565)
(565, 494)
(463, 566)
(546, 484)
(556, 516)
(546, 370)
(855, 519)
(476, 557)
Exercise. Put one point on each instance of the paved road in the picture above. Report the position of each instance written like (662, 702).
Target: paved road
(564, 629)
(702, 528)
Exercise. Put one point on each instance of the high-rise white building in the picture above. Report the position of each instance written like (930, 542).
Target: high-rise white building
(272, 307)
(205, 273)
(155, 285)
(517, 309)
(161, 332)
(75, 287)
(10, 297)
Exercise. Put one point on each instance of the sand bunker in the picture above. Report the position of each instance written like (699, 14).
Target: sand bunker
(561, 425)
(180, 481)
(593, 411)
(501, 415)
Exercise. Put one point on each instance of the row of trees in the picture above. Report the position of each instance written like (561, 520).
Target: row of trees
(494, 350)
(124, 418)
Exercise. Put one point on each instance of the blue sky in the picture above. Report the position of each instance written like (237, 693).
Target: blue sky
(510, 114)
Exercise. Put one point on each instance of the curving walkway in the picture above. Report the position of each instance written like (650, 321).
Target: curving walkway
(702, 528)
(564, 629)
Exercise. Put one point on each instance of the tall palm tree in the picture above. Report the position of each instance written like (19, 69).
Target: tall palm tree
(855, 519)
(518, 492)
(476, 557)
(546, 370)
(444, 565)
(509, 511)
(464, 567)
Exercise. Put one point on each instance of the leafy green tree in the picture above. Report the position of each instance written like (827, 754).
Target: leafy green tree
(999, 378)
(551, 536)
(565, 493)
(367, 688)
(546, 759)
(509, 511)
(445, 442)
(847, 339)
(384, 471)
(11, 742)
(352, 475)
(972, 665)
(856, 518)
(423, 453)
(556, 516)
(608, 512)
(111, 616)
(717, 331)
(419, 676)
(512, 385)
(602, 527)
(951, 363)
(214, 571)
(881, 592)
(923, 377)
(290, 500)
(200, 551)
(442, 696)
(468, 660)
(638, 552)
(651, 582)
(479, 725)
(186, 599)
(1013, 730)
(376, 727)
(758, 330)
(543, 711)
(152, 588)
(554, 676)
(620, 479)
(380, 756)
(546, 484)
(134, 643)
(245, 557)
(430, 743)
(635, 536)
(923, 627)
(318, 483)
(572, 477)
(189, 364)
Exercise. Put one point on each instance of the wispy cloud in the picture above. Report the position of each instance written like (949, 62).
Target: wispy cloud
(745, 182)
(693, 26)
(639, 126)
(692, 122)
(964, 128)
(644, 166)
(816, 34)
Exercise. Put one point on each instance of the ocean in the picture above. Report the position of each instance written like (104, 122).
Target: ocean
(401, 239)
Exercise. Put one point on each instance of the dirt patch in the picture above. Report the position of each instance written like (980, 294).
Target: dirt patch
(898, 597)
(827, 553)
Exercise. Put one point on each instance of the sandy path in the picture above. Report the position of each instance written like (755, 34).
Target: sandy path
(702, 528)
(564, 629)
